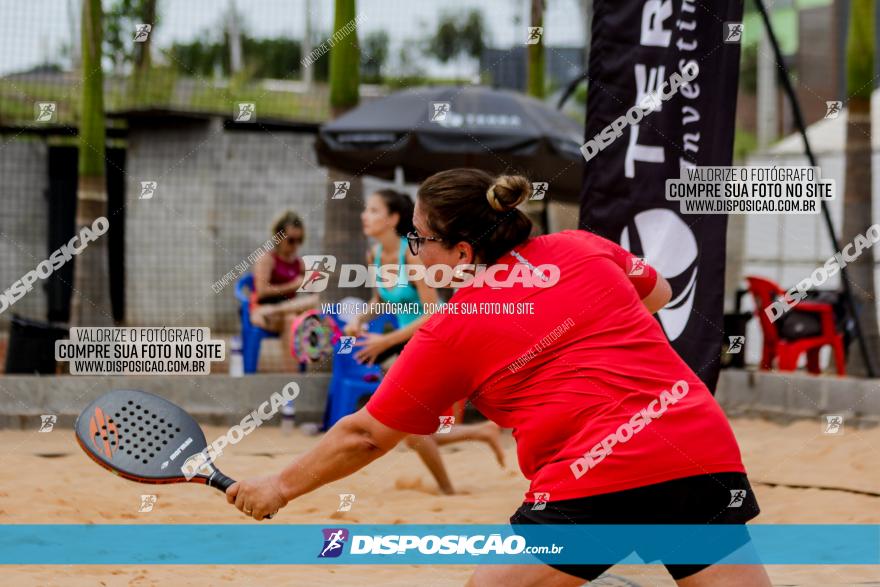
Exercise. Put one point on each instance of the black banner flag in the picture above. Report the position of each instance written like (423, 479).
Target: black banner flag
(642, 54)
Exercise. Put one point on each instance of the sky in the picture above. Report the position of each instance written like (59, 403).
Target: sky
(32, 30)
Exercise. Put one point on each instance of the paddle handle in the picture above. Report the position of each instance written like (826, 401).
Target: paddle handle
(222, 482)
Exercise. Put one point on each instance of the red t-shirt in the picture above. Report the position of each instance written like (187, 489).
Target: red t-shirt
(590, 364)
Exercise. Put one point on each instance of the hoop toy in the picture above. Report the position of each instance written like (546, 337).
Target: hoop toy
(313, 336)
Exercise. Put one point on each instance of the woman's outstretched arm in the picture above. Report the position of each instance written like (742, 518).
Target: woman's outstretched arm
(354, 442)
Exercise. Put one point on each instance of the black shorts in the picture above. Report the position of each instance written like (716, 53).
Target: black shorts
(703, 499)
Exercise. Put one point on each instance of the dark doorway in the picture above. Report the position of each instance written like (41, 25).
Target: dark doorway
(62, 210)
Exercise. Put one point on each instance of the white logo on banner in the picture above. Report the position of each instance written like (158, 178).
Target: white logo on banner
(670, 247)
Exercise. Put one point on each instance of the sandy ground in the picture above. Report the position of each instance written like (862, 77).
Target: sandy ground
(47, 479)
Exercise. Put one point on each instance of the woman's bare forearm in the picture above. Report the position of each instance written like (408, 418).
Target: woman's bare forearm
(659, 296)
(428, 299)
(370, 312)
(346, 448)
(402, 335)
(269, 290)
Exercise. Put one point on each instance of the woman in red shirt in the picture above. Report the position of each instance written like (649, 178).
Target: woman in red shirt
(611, 426)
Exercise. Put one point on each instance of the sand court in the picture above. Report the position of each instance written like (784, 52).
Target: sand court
(799, 474)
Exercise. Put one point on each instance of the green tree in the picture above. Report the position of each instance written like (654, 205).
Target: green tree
(277, 58)
(272, 58)
(90, 303)
(374, 56)
(535, 85)
(199, 57)
(344, 61)
(120, 23)
(473, 31)
(142, 59)
(343, 235)
(857, 208)
(458, 35)
(446, 42)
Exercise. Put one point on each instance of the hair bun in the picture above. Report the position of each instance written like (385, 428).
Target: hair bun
(508, 192)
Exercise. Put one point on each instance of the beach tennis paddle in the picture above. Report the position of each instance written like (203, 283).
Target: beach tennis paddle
(145, 438)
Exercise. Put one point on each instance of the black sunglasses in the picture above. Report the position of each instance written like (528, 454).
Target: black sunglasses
(293, 240)
(415, 241)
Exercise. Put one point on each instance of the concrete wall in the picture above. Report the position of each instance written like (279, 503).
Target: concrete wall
(263, 173)
(798, 396)
(211, 399)
(23, 221)
(170, 239)
(222, 399)
(218, 192)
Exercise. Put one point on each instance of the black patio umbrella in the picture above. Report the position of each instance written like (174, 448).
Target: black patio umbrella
(426, 130)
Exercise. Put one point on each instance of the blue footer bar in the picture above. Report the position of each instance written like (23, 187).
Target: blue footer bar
(275, 544)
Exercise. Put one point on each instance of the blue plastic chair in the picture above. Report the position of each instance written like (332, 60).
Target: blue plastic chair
(351, 381)
(251, 335)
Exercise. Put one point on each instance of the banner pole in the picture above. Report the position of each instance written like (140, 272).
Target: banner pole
(802, 128)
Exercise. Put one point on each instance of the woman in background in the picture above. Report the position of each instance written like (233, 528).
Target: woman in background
(278, 275)
(387, 218)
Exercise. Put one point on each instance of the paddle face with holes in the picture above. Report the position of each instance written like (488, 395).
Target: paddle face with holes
(145, 438)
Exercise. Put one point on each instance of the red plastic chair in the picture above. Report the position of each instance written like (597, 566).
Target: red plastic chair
(786, 351)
